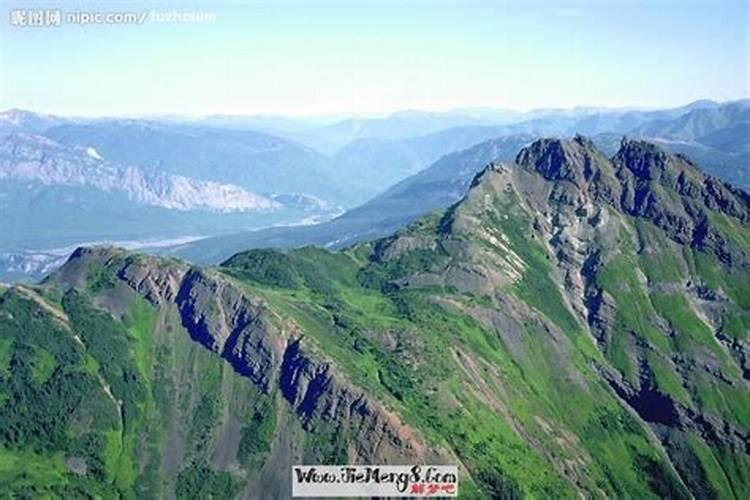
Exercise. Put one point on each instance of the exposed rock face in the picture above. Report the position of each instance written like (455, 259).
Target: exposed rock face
(638, 181)
(220, 317)
(577, 215)
(158, 288)
(269, 351)
(557, 160)
(648, 174)
(313, 390)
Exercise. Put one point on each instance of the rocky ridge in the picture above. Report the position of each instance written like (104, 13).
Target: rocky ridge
(270, 351)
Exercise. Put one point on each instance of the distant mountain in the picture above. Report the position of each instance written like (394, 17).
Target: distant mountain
(447, 180)
(310, 186)
(592, 121)
(271, 124)
(68, 181)
(382, 162)
(731, 167)
(402, 125)
(575, 326)
(54, 195)
(19, 120)
(36, 158)
(700, 123)
(715, 135)
(258, 162)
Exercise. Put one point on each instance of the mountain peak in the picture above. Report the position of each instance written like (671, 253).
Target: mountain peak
(493, 166)
(644, 159)
(16, 112)
(21, 119)
(701, 104)
(641, 180)
(18, 115)
(560, 159)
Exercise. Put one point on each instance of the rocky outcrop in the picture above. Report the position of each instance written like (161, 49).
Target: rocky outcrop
(584, 208)
(642, 180)
(315, 391)
(218, 315)
(270, 351)
(671, 192)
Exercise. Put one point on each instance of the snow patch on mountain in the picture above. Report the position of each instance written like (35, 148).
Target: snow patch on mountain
(93, 153)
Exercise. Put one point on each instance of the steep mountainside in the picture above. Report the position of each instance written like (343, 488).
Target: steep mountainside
(574, 326)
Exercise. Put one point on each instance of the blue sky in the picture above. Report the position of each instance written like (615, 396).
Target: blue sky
(316, 57)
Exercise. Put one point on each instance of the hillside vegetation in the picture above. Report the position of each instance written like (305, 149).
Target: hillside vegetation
(576, 325)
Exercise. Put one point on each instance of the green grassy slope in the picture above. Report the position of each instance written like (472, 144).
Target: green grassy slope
(551, 342)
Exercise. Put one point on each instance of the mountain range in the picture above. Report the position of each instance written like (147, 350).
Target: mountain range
(69, 181)
(39, 159)
(446, 180)
(575, 325)
(436, 187)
